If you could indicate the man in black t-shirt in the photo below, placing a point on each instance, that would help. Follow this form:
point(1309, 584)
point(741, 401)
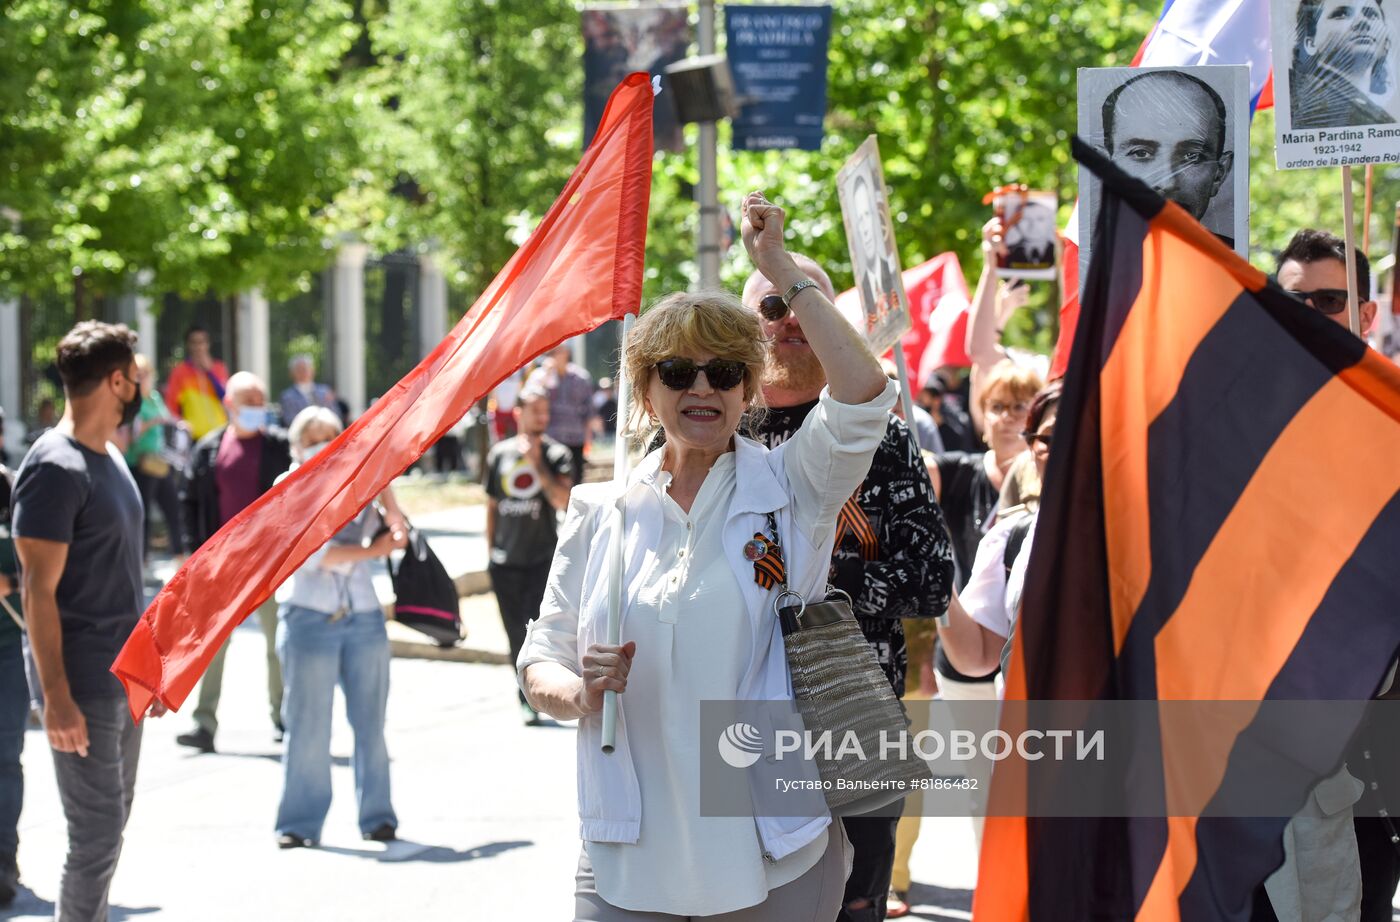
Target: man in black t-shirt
point(78, 531)
point(892, 554)
point(528, 478)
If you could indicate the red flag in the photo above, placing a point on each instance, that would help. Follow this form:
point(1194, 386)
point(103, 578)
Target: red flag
point(1069, 308)
point(582, 266)
point(943, 301)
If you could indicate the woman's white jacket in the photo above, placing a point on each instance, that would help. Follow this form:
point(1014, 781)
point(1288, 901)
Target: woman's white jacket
point(803, 482)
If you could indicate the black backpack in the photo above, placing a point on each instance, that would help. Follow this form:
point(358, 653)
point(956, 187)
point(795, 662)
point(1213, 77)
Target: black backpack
point(425, 598)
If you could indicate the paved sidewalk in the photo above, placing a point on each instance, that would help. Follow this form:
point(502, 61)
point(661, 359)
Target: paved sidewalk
point(486, 807)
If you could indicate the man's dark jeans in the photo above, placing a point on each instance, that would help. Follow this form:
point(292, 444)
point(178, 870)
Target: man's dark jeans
point(519, 592)
point(96, 792)
point(14, 715)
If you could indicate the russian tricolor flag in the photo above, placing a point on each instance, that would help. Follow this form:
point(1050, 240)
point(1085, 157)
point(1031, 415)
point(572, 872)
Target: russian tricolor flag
point(1188, 33)
point(1192, 32)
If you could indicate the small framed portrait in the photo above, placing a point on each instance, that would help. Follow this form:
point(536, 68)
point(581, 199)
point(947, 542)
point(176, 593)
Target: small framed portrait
point(874, 258)
point(1184, 131)
point(1029, 232)
point(1335, 93)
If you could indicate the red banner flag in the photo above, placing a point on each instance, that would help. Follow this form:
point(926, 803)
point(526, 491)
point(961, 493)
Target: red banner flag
point(581, 267)
point(939, 301)
point(1069, 306)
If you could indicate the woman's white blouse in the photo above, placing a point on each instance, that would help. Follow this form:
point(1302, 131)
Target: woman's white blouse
point(689, 604)
point(702, 632)
point(992, 596)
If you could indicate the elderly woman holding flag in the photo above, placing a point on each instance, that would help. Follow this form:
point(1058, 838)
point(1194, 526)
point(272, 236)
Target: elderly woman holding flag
point(697, 613)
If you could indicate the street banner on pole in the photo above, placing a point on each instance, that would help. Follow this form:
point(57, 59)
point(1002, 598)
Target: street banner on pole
point(1335, 83)
point(619, 40)
point(777, 55)
point(883, 315)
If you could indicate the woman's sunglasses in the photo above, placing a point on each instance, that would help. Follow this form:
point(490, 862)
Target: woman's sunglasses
point(680, 374)
point(1033, 437)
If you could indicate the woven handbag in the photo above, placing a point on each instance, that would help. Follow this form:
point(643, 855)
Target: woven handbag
point(840, 689)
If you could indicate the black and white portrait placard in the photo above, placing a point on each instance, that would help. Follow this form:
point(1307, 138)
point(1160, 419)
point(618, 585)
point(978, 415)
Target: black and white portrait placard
point(1335, 94)
point(1029, 232)
point(874, 259)
point(1182, 130)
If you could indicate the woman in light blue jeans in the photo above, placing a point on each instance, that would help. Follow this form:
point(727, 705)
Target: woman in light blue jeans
point(331, 630)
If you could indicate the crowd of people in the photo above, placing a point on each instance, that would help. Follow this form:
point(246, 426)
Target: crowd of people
point(777, 463)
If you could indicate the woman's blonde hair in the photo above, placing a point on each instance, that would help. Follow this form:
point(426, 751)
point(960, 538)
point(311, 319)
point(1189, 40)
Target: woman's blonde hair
point(690, 323)
point(1020, 382)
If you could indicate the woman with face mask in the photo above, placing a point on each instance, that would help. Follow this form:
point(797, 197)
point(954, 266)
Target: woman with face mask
point(331, 631)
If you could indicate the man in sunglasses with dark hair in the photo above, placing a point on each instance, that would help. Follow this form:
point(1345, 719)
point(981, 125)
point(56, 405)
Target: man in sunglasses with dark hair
point(892, 553)
point(1314, 267)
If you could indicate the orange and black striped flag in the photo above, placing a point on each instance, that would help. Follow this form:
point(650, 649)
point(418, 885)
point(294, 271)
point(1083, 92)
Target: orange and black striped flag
point(1219, 523)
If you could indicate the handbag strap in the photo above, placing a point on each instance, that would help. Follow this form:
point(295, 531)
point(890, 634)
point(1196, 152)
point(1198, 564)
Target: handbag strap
point(789, 616)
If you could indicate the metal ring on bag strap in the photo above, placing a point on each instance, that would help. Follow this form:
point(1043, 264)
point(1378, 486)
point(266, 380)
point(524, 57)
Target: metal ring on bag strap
point(801, 602)
point(832, 590)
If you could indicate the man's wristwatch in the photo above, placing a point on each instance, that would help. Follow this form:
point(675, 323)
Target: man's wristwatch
point(792, 292)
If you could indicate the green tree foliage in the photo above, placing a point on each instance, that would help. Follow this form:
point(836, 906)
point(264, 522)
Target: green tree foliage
point(479, 127)
point(229, 143)
point(200, 139)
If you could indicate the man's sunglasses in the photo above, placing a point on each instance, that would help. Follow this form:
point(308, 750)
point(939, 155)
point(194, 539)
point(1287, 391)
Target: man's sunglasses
point(680, 374)
point(773, 307)
point(1324, 300)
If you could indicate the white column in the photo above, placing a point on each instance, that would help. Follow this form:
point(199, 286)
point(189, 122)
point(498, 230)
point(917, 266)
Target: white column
point(432, 305)
point(145, 320)
point(254, 343)
point(11, 382)
point(348, 325)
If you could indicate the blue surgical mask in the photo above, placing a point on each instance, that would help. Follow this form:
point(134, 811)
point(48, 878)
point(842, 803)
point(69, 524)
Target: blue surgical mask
point(311, 451)
point(251, 419)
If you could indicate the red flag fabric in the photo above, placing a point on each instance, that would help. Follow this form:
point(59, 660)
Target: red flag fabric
point(1069, 307)
point(581, 267)
point(938, 304)
point(939, 300)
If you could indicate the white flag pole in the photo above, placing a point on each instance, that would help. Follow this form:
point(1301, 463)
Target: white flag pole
point(621, 468)
point(1348, 223)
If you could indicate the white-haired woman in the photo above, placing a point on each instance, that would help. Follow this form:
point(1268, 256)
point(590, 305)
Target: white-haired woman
point(330, 631)
point(697, 620)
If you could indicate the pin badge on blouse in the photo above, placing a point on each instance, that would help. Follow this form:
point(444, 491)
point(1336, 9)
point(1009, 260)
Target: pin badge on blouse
point(755, 549)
